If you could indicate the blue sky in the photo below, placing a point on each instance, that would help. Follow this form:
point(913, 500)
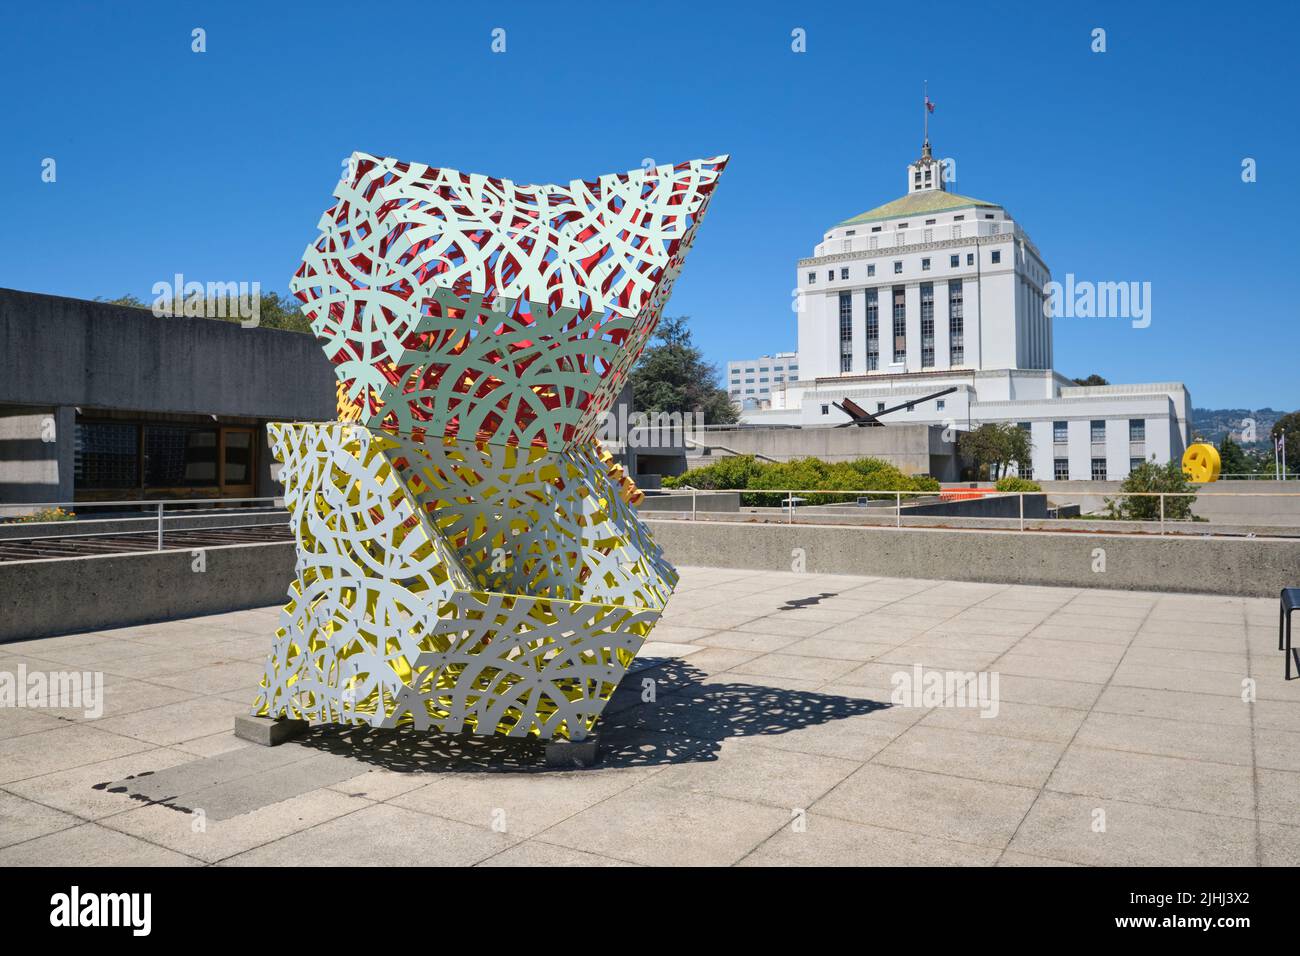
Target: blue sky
point(1124, 165)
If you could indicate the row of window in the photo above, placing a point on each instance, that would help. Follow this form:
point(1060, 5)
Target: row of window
point(956, 327)
point(764, 370)
point(1137, 431)
point(1061, 468)
point(954, 262)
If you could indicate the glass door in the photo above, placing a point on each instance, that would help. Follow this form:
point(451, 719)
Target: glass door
point(238, 462)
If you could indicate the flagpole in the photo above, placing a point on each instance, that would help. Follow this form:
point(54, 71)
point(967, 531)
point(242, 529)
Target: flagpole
point(925, 109)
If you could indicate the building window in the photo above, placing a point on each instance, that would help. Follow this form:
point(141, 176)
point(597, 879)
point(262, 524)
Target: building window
point(880, 406)
point(956, 324)
point(812, 278)
point(927, 324)
point(970, 258)
point(830, 275)
point(106, 455)
point(871, 269)
point(1061, 433)
point(958, 218)
point(996, 256)
point(900, 324)
point(850, 232)
point(954, 262)
point(875, 228)
point(1097, 430)
point(873, 330)
point(898, 267)
point(929, 222)
point(1099, 469)
point(844, 273)
point(928, 235)
point(925, 265)
point(1134, 464)
point(939, 405)
point(826, 409)
point(1137, 429)
point(1061, 469)
point(846, 331)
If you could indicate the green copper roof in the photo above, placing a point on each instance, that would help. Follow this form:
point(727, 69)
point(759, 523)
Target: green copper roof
point(916, 204)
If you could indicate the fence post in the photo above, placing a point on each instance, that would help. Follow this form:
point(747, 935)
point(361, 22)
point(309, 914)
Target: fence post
point(1022, 511)
point(898, 509)
point(160, 526)
point(693, 504)
point(1162, 512)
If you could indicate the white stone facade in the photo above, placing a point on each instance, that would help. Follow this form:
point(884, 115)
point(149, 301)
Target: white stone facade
point(936, 290)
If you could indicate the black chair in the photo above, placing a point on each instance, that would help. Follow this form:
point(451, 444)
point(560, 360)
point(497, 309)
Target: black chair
point(1290, 601)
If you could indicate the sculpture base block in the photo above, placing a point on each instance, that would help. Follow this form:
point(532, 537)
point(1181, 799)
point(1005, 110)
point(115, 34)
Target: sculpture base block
point(268, 732)
point(573, 753)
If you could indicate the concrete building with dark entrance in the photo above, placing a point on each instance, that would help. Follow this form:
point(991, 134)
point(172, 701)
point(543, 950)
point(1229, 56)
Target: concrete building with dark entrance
point(102, 402)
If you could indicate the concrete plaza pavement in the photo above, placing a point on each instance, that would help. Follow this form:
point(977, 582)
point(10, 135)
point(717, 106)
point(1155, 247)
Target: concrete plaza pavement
point(1131, 728)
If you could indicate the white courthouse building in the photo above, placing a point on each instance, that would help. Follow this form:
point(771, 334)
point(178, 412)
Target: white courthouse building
point(936, 290)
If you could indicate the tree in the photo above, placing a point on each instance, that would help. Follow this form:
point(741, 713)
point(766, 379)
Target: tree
point(672, 376)
point(1093, 379)
point(1289, 425)
point(1232, 460)
point(276, 310)
point(1150, 477)
point(994, 446)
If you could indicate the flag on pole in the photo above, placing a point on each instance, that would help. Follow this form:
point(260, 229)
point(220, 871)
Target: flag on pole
point(929, 104)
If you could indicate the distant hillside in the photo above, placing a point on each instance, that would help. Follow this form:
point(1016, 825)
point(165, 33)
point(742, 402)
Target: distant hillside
point(1212, 424)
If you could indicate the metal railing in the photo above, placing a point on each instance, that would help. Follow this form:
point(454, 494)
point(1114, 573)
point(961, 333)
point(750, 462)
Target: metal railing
point(1258, 476)
point(793, 500)
point(151, 513)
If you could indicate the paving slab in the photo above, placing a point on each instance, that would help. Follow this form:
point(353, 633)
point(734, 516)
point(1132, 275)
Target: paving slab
point(757, 729)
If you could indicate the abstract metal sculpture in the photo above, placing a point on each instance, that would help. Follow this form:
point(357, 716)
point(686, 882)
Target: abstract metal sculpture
point(469, 558)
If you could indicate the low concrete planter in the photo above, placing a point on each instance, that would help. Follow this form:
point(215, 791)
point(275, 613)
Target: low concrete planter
point(1249, 568)
point(68, 595)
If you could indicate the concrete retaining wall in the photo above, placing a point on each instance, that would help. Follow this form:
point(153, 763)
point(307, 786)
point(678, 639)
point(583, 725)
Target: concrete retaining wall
point(1255, 568)
point(710, 501)
point(914, 449)
point(69, 595)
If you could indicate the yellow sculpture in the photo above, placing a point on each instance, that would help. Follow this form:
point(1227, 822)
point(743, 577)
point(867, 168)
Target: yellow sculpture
point(1201, 462)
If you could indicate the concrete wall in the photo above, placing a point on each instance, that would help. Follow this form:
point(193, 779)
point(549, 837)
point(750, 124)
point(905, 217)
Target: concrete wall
point(999, 506)
point(704, 501)
point(69, 595)
point(1253, 567)
point(914, 449)
point(70, 352)
point(35, 465)
point(1221, 502)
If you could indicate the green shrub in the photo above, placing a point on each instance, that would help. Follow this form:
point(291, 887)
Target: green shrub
point(734, 472)
point(1012, 483)
point(1151, 477)
point(802, 475)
